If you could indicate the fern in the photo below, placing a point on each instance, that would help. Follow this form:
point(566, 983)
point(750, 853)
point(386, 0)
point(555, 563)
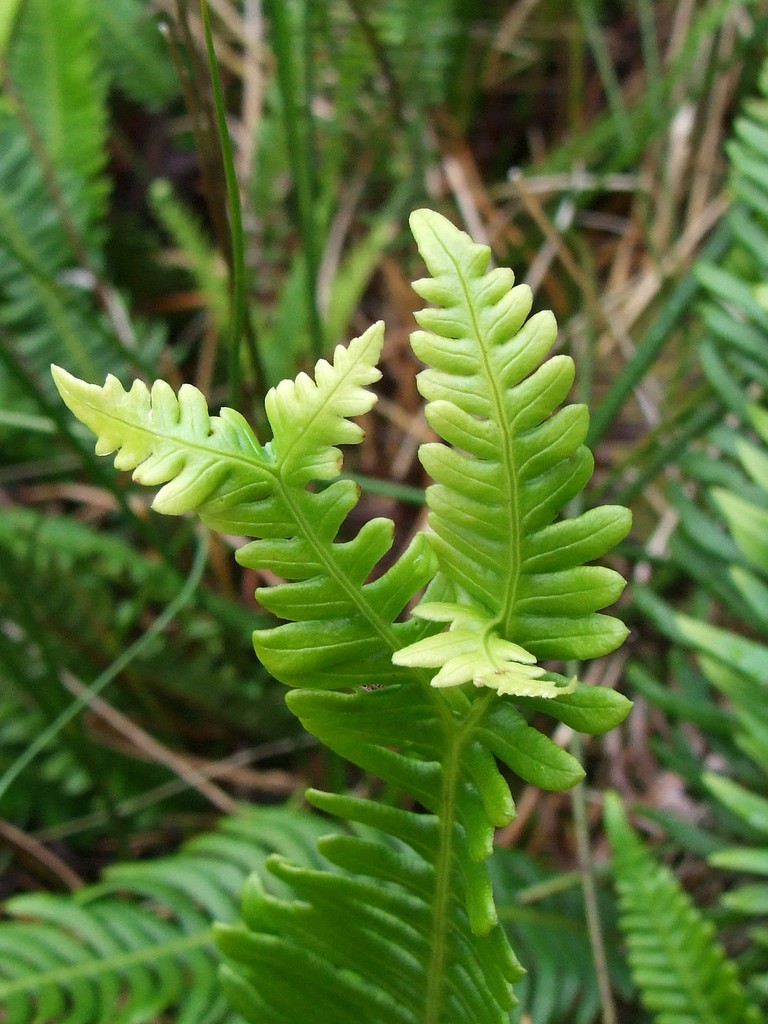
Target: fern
point(60, 624)
point(683, 974)
point(55, 72)
point(517, 574)
point(533, 902)
point(404, 927)
point(735, 311)
point(720, 542)
point(53, 195)
point(733, 664)
point(139, 944)
point(133, 49)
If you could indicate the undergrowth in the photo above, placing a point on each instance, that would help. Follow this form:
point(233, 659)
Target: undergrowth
point(589, 147)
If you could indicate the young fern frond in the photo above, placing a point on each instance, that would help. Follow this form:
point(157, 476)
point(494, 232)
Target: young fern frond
point(404, 928)
point(341, 633)
point(683, 974)
point(523, 592)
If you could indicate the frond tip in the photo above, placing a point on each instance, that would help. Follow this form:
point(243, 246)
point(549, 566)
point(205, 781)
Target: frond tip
point(512, 458)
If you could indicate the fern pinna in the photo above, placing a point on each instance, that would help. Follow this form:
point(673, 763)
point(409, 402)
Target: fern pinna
point(401, 927)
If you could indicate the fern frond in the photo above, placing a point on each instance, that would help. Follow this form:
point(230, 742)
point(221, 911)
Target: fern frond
point(173, 441)
point(85, 597)
point(139, 944)
point(682, 973)
point(416, 880)
point(561, 985)
point(52, 160)
point(524, 593)
point(134, 52)
point(55, 70)
point(215, 466)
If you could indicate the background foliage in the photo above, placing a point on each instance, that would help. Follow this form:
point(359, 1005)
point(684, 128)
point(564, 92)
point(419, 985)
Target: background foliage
point(615, 156)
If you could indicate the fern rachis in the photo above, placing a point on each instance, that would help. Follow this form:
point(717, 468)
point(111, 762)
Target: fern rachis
point(507, 579)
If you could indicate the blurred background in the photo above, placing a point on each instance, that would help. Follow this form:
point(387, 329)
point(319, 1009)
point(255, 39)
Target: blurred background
point(615, 155)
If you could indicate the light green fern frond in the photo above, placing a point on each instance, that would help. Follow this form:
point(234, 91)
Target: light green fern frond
point(343, 631)
point(523, 592)
point(200, 458)
point(404, 926)
point(681, 971)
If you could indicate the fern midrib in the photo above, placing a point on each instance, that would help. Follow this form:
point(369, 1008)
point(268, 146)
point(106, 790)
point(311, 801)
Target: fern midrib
point(509, 468)
point(107, 965)
point(455, 739)
point(325, 555)
point(433, 999)
point(436, 968)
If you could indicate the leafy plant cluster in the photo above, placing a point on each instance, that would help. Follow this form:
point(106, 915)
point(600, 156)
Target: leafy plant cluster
point(110, 261)
point(497, 566)
point(719, 549)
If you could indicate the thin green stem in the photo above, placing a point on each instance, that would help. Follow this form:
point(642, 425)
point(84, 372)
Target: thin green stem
point(298, 122)
point(236, 235)
point(442, 892)
point(458, 734)
point(610, 80)
point(386, 488)
point(193, 79)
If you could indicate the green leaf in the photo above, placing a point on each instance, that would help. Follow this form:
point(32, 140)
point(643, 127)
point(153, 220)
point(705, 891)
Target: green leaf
point(748, 524)
point(590, 709)
point(740, 801)
point(55, 71)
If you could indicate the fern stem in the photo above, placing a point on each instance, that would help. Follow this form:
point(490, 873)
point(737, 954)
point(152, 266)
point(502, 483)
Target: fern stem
point(305, 529)
point(445, 855)
point(442, 897)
